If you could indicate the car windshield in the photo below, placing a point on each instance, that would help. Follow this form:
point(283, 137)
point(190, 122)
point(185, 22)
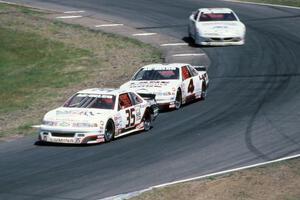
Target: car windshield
point(91, 101)
point(206, 17)
point(157, 74)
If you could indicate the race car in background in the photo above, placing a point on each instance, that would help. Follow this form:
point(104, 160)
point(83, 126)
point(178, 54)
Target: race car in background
point(216, 26)
point(98, 115)
point(172, 84)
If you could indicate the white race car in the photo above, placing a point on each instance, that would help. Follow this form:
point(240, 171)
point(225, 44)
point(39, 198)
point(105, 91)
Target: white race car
point(98, 115)
point(173, 84)
point(216, 26)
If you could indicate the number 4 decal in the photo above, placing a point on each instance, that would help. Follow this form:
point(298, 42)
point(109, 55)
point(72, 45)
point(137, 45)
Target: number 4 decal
point(191, 86)
point(130, 117)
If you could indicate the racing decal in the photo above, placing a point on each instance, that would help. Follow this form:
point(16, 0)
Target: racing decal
point(160, 68)
point(138, 114)
point(191, 87)
point(77, 140)
point(76, 112)
point(130, 114)
point(118, 121)
point(147, 84)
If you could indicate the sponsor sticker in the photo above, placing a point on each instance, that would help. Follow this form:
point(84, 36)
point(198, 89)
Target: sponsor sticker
point(63, 140)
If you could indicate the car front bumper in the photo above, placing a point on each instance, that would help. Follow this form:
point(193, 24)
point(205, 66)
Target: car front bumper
point(70, 137)
point(219, 41)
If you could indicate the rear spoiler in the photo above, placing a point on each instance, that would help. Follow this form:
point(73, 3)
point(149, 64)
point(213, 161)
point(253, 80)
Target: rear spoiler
point(147, 96)
point(200, 68)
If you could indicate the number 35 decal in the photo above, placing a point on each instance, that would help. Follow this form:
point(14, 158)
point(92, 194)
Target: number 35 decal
point(130, 117)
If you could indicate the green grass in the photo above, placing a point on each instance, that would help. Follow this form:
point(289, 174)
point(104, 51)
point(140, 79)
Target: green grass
point(43, 61)
point(280, 2)
point(28, 63)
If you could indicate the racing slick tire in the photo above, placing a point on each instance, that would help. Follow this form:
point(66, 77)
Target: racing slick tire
point(178, 99)
point(203, 92)
point(147, 120)
point(109, 133)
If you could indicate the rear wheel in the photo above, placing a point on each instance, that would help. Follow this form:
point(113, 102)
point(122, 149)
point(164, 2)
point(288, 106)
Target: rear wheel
point(203, 92)
point(178, 99)
point(147, 120)
point(109, 133)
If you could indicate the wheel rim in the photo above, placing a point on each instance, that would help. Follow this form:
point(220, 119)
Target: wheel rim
point(109, 131)
point(147, 122)
point(178, 100)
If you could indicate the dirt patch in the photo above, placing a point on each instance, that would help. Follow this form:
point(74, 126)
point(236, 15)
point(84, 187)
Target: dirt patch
point(279, 181)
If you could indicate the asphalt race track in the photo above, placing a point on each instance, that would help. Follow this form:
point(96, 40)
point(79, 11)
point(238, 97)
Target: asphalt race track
point(251, 114)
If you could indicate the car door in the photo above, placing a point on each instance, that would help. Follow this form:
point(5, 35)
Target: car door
point(139, 106)
point(197, 81)
point(188, 86)
point(127, 112)
point(192, 23)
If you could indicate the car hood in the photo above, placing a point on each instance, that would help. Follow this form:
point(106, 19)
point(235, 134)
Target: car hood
point(78, 114)
point(221, 27)
point(152, 87)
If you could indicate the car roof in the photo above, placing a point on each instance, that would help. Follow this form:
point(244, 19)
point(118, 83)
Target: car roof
point(215, 10)
point(158, 66)
point(99, 91)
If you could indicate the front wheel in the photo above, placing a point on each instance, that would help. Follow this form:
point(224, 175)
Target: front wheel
point(178, 99)
point(109, 133)
point(147, 120)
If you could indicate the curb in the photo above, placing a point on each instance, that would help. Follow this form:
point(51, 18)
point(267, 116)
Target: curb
point(136, 193)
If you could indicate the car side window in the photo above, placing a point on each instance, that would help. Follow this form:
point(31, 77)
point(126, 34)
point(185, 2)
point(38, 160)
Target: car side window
point(193, 71)
point(196, 15)
point(135, 99)
point(124, 101)
point(185, 73)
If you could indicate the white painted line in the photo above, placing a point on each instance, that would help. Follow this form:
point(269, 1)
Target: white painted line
point(9, 3)
point(143, 34)
point(227, 171)
point(108, 25)
point(133, 194)
point(68, 17)
point(35, 126)
point(263, 4)
point(174, 44)
point(74, 11)
point(188, 54)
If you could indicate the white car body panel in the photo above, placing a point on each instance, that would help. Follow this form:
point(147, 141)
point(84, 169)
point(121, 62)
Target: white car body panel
point(230, 32)
point(165, 90)
point(87, 125)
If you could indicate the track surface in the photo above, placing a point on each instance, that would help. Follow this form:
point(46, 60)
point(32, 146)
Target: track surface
point(252, 113)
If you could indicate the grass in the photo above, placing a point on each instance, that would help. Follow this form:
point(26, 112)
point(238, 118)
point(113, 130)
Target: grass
point(29, 62)
point(280, 2)
point(280, 181)
point(43, 62)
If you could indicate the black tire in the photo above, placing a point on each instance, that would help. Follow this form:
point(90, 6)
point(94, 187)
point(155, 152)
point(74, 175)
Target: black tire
point(178, 99)
point(109, 133)
point(147, 119)
point(203, 92)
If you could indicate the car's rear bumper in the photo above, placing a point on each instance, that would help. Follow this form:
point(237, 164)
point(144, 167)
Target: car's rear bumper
point(70, 137)
point(166, 105)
